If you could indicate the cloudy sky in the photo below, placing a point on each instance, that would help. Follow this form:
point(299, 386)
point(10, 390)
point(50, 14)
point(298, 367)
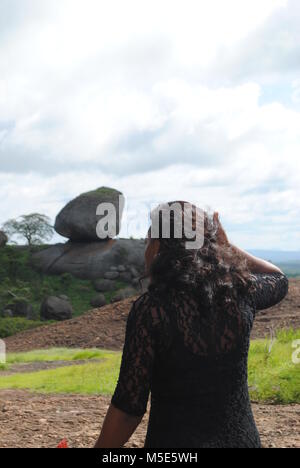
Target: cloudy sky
point(163, 100)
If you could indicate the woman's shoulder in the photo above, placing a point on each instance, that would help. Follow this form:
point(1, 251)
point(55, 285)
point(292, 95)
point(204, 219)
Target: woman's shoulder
point(147, 306)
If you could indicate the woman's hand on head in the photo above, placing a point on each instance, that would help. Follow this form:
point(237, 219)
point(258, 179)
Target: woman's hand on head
point(221, 235)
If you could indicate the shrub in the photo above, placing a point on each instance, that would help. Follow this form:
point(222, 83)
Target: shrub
point(10, 326)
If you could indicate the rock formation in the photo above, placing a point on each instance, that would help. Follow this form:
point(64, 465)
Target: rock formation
point(78, 219)
point(111, 264)
point(91, 260)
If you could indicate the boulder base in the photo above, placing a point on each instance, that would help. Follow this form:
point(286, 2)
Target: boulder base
point(90, 260)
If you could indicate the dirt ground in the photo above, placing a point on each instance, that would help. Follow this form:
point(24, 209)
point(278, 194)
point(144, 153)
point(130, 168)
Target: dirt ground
point(105, 327)
point(34, 420)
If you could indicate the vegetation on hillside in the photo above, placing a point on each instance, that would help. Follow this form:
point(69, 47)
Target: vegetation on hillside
point(291, 269)
point(19, 281)
point(11, 326)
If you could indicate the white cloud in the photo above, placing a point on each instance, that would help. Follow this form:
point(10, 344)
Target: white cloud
point(162, 100)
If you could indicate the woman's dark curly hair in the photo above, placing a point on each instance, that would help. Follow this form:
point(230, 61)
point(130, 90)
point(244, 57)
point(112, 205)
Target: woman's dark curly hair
point(214, 272)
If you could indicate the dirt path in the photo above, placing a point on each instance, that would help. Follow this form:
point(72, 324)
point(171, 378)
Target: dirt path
point(34, 420)
point(43, 365)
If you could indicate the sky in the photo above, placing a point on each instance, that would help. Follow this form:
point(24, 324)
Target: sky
point(189, 100)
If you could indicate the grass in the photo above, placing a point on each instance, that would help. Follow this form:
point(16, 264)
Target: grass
point(273, 377)
point(11, 326)
point(57, 354)
point(88, 379)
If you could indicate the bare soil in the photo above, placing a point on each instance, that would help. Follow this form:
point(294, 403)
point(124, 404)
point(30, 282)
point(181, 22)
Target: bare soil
point(34, 420)
point(105, 327)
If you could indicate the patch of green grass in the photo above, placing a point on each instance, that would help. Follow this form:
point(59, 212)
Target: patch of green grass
point(89, 379)
point(273, 377)
point(105, 191)
point(11, 326)
point(57, 354)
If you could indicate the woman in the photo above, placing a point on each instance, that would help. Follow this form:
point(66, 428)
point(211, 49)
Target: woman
point(187, 341)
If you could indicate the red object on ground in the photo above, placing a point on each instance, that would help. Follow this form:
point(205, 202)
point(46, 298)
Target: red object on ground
point(63, 444)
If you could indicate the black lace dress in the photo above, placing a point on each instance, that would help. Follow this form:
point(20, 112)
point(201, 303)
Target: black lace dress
point(194, 362)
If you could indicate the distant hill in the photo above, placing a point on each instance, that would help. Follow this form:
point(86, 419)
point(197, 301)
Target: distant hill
point(288, 261)
point(276, 256)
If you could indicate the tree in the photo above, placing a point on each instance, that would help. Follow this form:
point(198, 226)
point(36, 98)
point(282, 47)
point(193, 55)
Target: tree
point(35, 228)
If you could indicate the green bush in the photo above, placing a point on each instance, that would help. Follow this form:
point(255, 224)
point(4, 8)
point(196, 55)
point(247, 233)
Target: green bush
point(11, 326)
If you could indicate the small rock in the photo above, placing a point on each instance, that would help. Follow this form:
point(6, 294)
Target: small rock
point(111, 275)
point(7, 313)
point(134, 272)
point(124, 294)
point(104, 285)
point(126, 276)
point(135, 282)
point(98, 301)
point(19, 309)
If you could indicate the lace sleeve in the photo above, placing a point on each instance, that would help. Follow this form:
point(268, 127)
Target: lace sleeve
point(134, 383)
point(269, 289)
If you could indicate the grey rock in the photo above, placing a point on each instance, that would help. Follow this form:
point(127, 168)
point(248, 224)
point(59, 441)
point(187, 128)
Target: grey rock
point(134, 272)
point(78, 219)
point(111, 275)
point(121, 268)
point(135, 282)
point(89, 260)
point(98, 301)
point(124, 294)
point(54, 308)
point(126, 276)
point(3, 239)
point(104, 285)
point(7, 313)
point(20, 309)
point(114, 268)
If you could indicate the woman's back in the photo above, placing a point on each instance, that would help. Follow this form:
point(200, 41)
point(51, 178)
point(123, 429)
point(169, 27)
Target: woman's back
point(193, 359)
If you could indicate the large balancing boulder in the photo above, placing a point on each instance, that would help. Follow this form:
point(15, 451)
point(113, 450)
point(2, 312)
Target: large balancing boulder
point(80, 219)
point(55, 308)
